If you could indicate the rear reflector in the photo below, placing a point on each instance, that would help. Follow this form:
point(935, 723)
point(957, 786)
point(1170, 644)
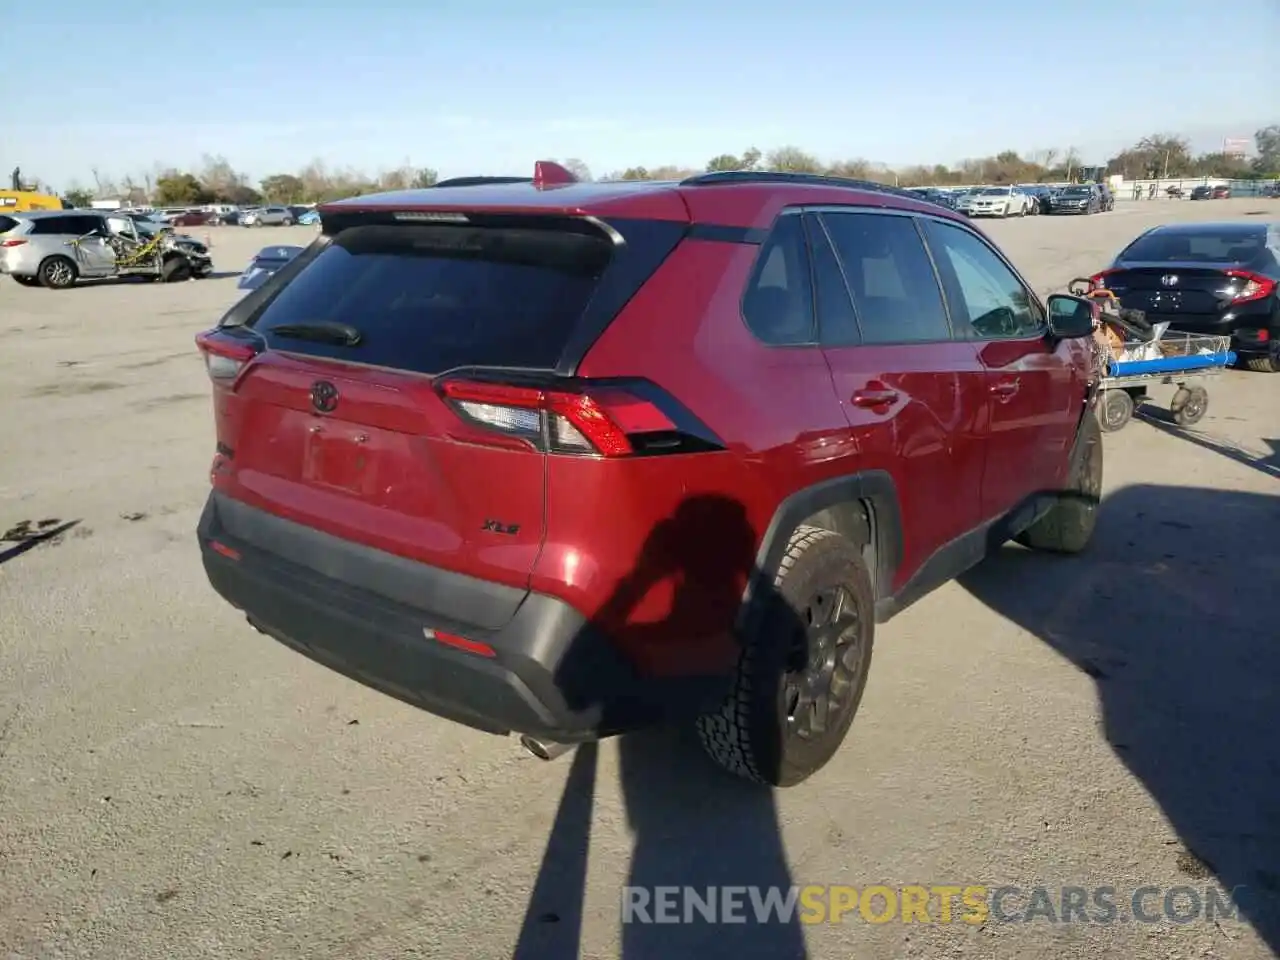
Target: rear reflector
point(12, 243)
point(459, 643)
point(223, 549)
point(595, 422)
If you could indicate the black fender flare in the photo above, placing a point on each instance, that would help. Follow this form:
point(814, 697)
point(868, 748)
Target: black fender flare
point(875, 487)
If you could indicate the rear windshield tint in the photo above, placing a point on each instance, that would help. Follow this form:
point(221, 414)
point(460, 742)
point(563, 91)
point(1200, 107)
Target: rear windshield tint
point(429, 298)
point(1232, 246)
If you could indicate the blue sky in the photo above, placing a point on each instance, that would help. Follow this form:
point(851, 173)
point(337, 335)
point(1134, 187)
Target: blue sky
point(489, 87)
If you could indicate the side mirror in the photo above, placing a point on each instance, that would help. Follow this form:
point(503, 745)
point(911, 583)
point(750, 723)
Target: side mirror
point(1071, 317)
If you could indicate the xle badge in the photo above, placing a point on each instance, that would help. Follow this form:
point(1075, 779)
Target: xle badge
point(497, 526)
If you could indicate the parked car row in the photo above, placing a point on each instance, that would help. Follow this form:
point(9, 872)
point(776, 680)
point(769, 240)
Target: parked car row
point(1021, 200)
point(1206, 192)
point(272, 215)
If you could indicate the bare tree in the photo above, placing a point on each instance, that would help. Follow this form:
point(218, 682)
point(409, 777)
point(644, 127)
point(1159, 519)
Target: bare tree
point(791, 159)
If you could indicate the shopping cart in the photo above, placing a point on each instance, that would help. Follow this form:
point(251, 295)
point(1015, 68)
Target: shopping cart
point(1171, 357)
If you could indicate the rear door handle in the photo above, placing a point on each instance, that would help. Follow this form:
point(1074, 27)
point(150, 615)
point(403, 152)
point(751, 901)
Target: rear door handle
point(1005, 389)
point(874, 398)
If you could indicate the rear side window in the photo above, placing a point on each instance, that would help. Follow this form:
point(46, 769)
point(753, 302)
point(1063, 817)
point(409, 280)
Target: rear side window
point(778, 303)
point(891, 278)
point(431, 298)
point(7, 224)
point(1235, 246)
point(65, 226)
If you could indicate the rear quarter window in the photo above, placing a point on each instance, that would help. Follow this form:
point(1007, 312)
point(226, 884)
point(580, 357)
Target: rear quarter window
point(431, 298)
point(7, 224)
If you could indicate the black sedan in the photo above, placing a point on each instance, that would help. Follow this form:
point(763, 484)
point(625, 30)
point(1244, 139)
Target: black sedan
point(1211, 278)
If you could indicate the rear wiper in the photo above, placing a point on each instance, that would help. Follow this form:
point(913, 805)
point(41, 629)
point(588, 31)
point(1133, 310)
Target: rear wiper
point(342, 334)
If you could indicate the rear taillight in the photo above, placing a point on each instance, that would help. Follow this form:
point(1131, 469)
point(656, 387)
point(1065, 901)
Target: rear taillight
point(12, 242)
point(592, 420)
point(1099, 280)
point(1256, 286)
point(223, 358)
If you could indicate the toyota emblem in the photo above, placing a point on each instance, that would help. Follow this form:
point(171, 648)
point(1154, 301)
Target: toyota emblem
point(1169, 280)
point(324, 396)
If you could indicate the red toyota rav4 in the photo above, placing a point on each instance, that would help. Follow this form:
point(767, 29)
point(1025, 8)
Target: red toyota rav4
point(564, 459)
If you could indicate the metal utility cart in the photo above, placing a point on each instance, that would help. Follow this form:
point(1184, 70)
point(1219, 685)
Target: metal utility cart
point(1183, 359)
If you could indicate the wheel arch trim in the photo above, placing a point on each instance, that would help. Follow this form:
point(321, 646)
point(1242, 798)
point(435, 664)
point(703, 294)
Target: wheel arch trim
point(874, 487)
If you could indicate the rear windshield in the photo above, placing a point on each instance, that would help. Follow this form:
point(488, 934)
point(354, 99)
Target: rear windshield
point(429, 298)
point(1233, 246)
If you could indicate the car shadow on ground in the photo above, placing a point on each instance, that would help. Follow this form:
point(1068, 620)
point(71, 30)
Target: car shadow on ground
point(693, 825)
point(1265, 463)
point(1172, 612)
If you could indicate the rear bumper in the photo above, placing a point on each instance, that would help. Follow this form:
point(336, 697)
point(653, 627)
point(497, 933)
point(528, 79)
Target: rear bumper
point(551, 673)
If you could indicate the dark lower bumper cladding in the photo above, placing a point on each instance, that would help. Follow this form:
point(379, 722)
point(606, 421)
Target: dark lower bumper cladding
point(553, 675)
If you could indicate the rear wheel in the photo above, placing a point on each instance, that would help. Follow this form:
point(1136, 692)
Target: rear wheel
point(803, 668)
point(57, 273)
point(1069, 524)
point(1268, 364)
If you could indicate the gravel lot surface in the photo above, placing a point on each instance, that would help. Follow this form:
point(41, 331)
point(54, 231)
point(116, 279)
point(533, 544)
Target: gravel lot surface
point(173, 785)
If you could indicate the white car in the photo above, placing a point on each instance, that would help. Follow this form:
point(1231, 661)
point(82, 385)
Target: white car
point(1000, 202)
point(267, 217)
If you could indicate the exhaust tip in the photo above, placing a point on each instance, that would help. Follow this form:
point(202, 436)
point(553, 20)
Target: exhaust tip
point(544, 749)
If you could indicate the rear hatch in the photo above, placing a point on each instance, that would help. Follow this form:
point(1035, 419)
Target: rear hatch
point(355, 416)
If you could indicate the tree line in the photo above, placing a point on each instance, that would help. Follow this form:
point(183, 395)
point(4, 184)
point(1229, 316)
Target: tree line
point(215, 180)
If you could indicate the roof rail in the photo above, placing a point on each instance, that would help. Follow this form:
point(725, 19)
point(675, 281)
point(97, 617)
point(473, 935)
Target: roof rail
point(726, 177)
point(478, 181)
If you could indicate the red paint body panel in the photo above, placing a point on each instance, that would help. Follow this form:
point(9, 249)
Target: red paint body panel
point(392, 468)
point(930, 439)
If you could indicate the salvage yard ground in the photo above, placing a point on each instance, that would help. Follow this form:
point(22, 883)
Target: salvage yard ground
point(173, 785)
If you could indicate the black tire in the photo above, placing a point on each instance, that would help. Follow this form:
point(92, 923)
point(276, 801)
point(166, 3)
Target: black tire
point(758, 732)
point(175, 269)
point(1068, 526)
point(1189, 406)
point(58, 273)
point(1268, 364)
point(1115, 410)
